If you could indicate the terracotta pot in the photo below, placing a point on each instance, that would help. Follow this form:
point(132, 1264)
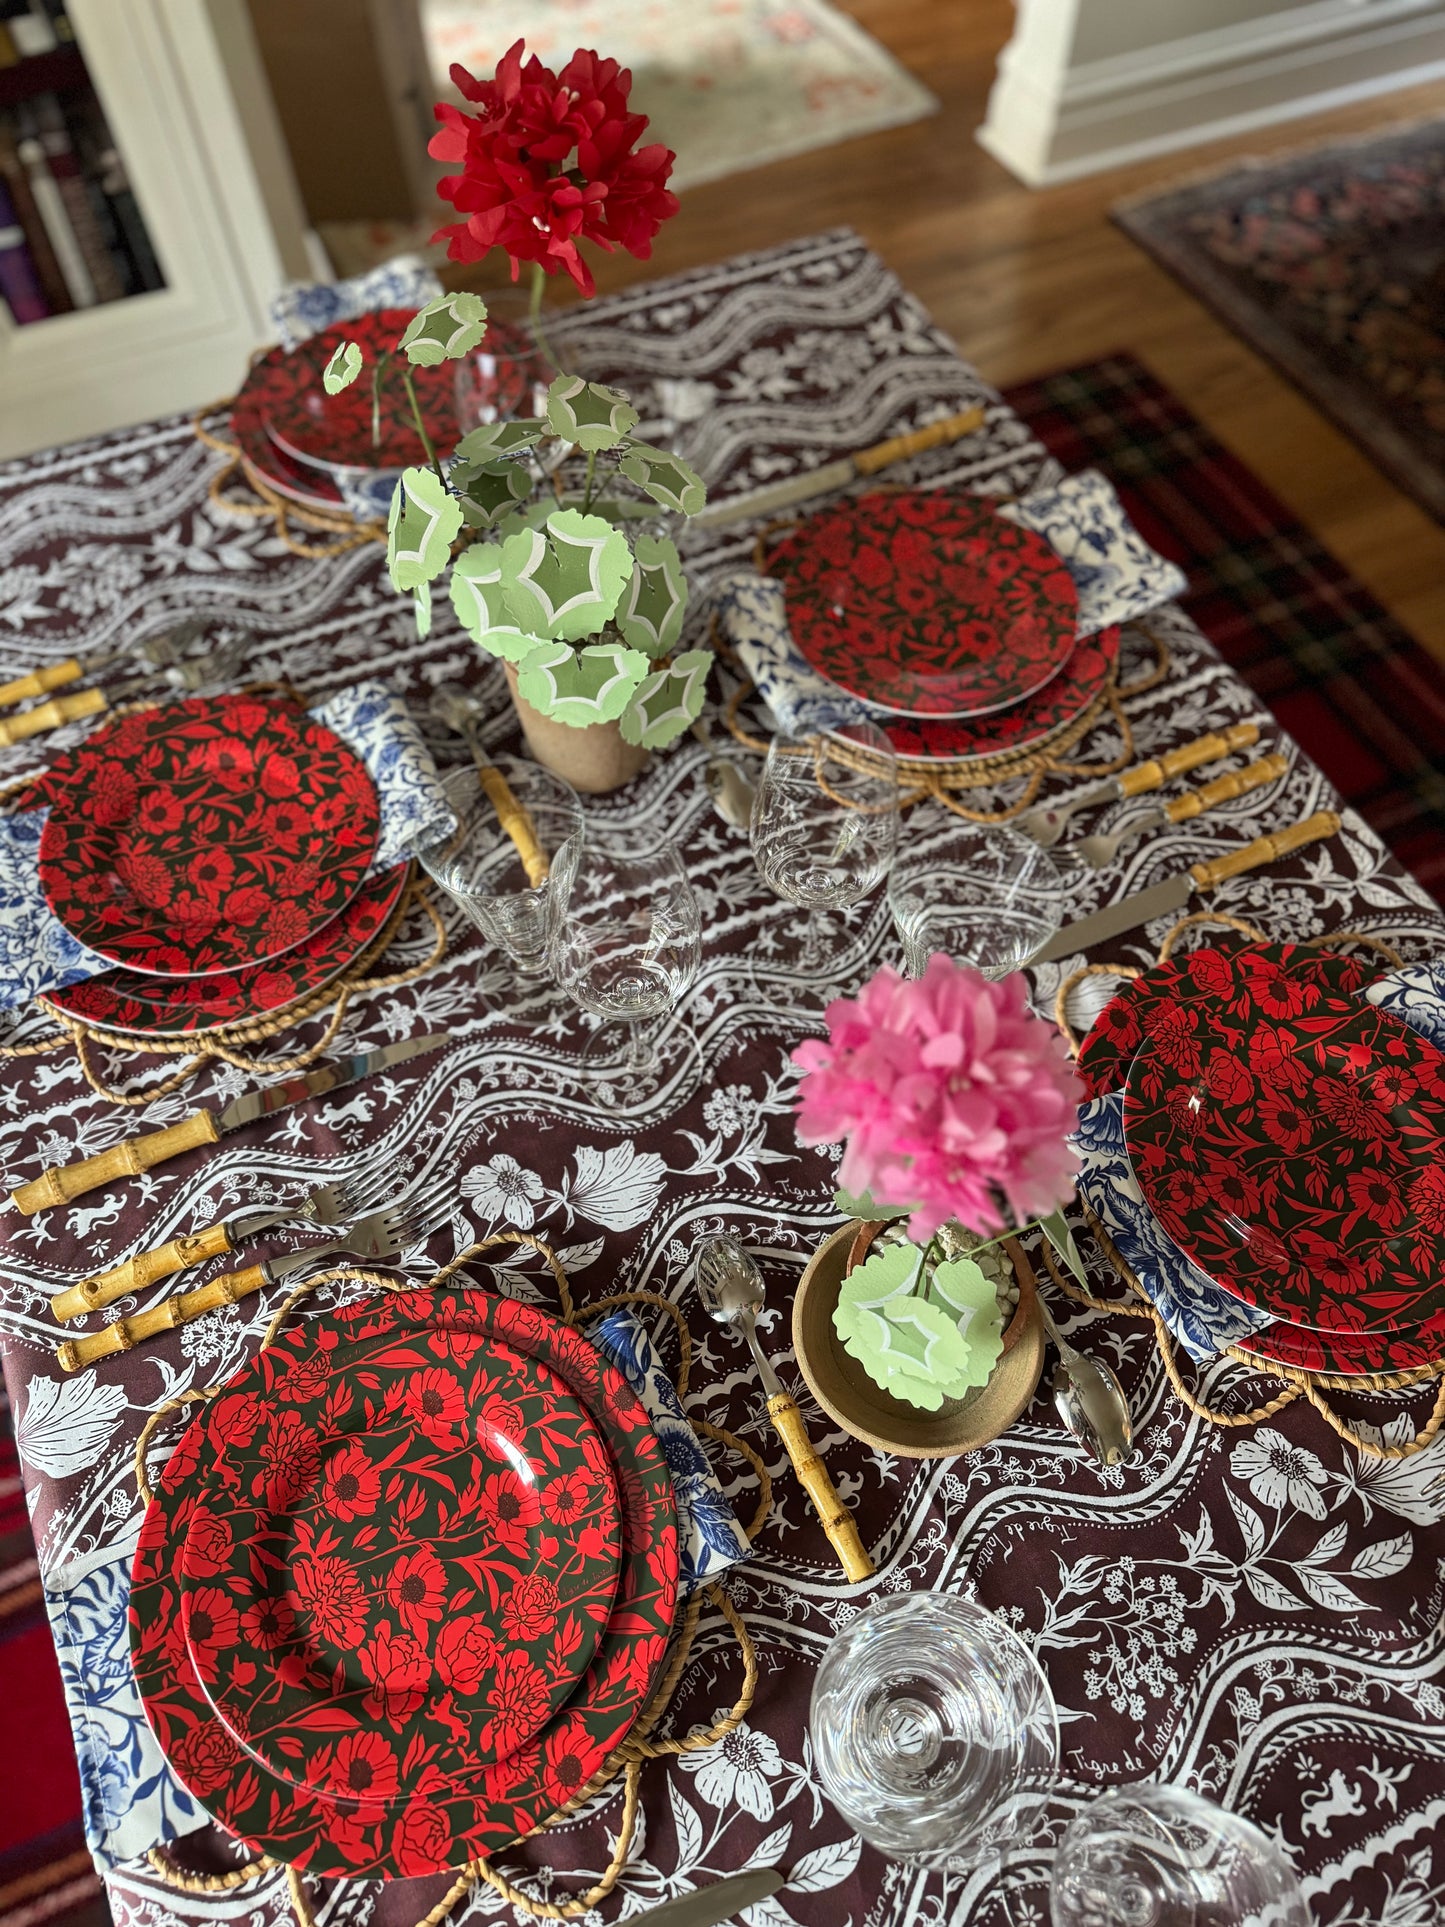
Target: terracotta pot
point(846, 1392)
point(593, 760)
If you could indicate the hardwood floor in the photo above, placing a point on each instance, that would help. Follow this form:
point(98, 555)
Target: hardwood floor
point(1031, 280)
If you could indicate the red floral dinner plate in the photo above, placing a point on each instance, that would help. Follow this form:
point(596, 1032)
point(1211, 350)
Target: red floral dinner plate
point(206, 835)
point(1298, 1155)
point(1027, 725)
point(142, 1006)
point(427, 1544)
point(362, 1831)
point(283, 392)
point(926, 604)
point(1347, 1354)
point(1284, 978)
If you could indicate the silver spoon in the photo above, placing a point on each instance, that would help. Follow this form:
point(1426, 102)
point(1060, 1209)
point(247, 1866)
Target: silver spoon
point(1090, 1400)
point(731, 1288)
point(459, 710)
point(731, 792)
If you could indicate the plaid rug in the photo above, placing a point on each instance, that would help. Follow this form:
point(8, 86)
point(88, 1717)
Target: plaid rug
point(1331, 262)
point(46, 1872)
point(1356, 691)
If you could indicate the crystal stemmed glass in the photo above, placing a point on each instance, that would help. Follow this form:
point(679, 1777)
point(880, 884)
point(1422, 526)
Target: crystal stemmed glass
point(982, 893)
point(1159, 1856)
point(825, 824)
point(481, 868)
point(627, 945)
point(934, 1730)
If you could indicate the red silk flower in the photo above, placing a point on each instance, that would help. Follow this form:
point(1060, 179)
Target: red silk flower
point(550, 160)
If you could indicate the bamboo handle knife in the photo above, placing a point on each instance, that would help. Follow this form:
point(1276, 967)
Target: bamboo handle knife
point(60, 709)
point(180, 1310)
point(1265, 849)
point(813, 1475)
point(1224, 789)
point(64, 1182)
point(1206, 749)
point(40, 682)
point(192, 1248)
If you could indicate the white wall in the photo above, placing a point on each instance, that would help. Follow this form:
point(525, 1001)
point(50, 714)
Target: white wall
point(1089, 84)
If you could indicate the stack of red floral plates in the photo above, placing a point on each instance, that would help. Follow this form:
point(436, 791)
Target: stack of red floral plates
point(217, 851)
point(956, 625)
point(1289, 1139)
point(406, 1584)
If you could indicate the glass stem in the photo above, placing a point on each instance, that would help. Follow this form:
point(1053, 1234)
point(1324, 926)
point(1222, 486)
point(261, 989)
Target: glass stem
point(810, 957)
point(640, 1057)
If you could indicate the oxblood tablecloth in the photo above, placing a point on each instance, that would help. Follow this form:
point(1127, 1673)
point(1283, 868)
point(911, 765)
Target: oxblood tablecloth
point(1256, 1612)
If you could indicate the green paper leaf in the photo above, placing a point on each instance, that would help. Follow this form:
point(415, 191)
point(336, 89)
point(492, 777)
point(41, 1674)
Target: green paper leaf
point(866, 1206)
point(488, 492)
point(668, 701)
point(444, 330)
point(419, 530)
point(342, 369)
point(565, 579)
point(655, 600)
point(495, 440)
point(421, 599)
point(1055, 1228)
point(922, 1348)
point(581, 686)
point(481, 605)
point(588, 414)
point(665, 477)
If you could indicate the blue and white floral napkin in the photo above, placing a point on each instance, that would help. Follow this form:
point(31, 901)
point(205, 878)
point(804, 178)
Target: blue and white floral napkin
point(37, 952)
point(1118, 577)
point(710, 1540)
point(304, 308)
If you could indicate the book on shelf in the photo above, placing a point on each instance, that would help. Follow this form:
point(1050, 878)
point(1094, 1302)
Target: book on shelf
point(19, 284)
point(42, 254)
point(117, 209)
point(64, 164)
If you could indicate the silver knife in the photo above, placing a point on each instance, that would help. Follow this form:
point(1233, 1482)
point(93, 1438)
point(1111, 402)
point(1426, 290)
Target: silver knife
point(137, 1154)
point(159, 651)
point(1172, 893)
point(719, 1902)
point(835, 475)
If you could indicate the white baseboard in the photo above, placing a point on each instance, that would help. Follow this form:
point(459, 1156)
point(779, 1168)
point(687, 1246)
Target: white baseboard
point(1047, 128)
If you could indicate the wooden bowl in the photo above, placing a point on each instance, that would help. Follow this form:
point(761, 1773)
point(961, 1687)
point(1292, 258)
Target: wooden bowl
point(847, 1394)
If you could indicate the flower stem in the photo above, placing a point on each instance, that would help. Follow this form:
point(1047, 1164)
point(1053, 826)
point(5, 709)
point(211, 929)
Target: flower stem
point(377, 372)
point(534, 315)
point(920, 1277)
point(426, 440)
point(591, 475)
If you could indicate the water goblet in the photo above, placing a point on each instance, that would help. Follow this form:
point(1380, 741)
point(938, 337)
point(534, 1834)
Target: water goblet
point(627, 944)
point(824, 826)
point(1160, 1856)
point(982, 893)
point(480, 867)
point(934, 1731)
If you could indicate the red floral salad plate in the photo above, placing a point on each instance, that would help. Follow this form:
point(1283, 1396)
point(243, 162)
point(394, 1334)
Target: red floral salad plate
point(206, 835)
point(283, 391)
point(430, 1544)
point(928, 605)
point(1027, 725)
point(1347, 1354)
point(1283, 978)
point(142, 1006)
point(510, 1784)
point(1298, 1156)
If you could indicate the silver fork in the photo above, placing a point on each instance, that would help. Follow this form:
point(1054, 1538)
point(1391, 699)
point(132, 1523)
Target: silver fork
point(328, 1204)
point(382, 1237)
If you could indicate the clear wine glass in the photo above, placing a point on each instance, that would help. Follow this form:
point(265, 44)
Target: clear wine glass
point(934, 1730)
point(980, 892)
point(627, 945)
point(480, 866)
point(825, 826)
point(1160, 1856)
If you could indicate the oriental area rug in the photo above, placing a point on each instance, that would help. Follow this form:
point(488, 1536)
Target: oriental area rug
point(1331, 263)
point(1353, 687)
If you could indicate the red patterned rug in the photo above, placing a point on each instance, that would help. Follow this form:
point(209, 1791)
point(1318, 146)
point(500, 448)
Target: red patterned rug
point(1332, 263)
point(1355, 689)
point(46, 1873)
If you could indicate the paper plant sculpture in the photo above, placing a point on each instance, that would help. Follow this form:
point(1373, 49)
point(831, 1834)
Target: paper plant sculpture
point(574, 589)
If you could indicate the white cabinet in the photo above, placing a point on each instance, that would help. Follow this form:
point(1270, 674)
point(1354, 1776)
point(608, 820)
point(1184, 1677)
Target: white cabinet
point(182, 88)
